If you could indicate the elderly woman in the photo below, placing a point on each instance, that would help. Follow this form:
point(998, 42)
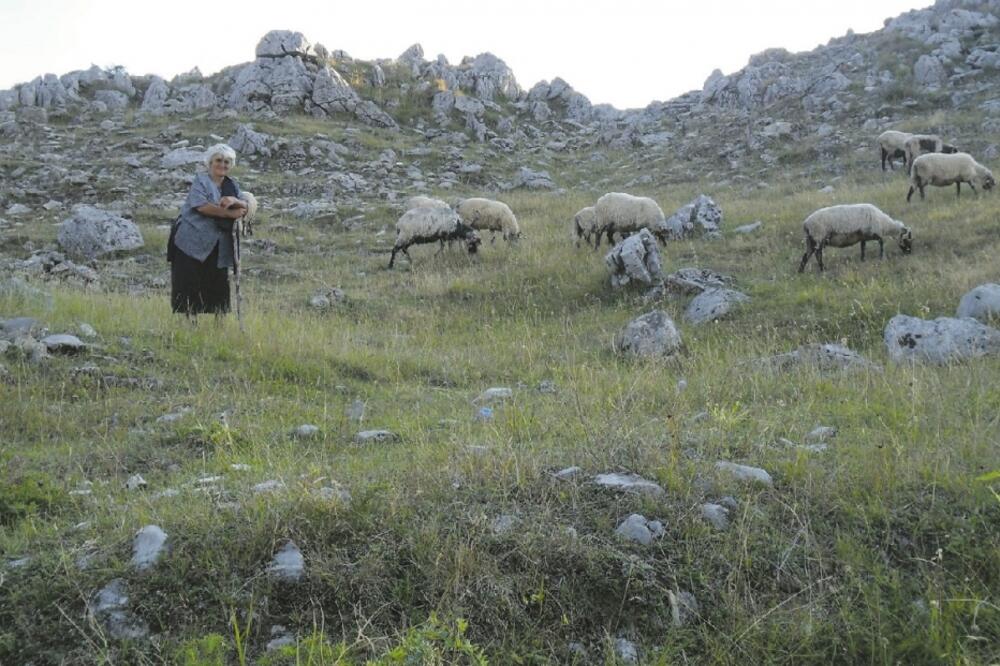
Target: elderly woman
point(200, 250)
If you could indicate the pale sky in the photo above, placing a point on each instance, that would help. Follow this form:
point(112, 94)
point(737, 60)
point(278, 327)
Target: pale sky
point(623, 52)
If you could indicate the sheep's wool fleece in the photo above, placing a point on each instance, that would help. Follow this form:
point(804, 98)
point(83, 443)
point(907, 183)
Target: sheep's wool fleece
point(429, 222)
point(847, 218)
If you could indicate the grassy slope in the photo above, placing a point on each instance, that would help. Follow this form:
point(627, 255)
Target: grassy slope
point(881, 550)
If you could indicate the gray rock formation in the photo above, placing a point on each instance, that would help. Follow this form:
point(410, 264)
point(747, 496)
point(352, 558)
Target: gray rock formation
point(713, 304)
point(109, 608)
point(247, 142)
point(653, 335)
point(940, 341)
point(148, 546)
point(982, 303)
point(702, 215)
point(629, 483)
point(92, 232)
point(823, 357)
point(688, 281)
point(637, 528)
point(635, 260)
point(744, 472)
point(288, 564)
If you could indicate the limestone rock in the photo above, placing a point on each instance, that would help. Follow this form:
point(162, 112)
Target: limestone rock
point(653, 335)
point(982, 303)
point(635, 259)
point(713, 304)
point(92, 232)
point(940, 341)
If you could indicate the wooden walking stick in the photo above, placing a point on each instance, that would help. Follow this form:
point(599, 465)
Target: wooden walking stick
point(237, 232)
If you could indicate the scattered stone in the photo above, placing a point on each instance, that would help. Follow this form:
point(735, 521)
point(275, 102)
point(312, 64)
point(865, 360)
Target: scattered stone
point(324, 300)
point(356, 411)
point(334, 494)
point(821, 434)
point(135, 482)
point(288, 564)
point(240, 467)
point(547, 386)
point(748, 228)
point(688, 281)
point(109, 607)
point(269, 486)
point(823, 357)
point(632, 483)
point(494, 394)
point(568, 474)
point(649, 336)
point(716, 515)
point(92, 232)
point(627, 651)
point(637, 528)
point(943, 340)
point(87, 331)
point(504, 524)
point(148, 547)
point(745, 472)
point(17, 209)
point(683, 607)
point(713, 304)
point(173, 417)
point(19, 327)
point(63, 344)
point(982, 303)
point(182, 157)
point(702, 215)
point(375, 437)
point(635, 259)
point(306, 431)
point(280, 637)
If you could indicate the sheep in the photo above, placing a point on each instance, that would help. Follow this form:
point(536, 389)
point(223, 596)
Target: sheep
point(584, 224)
point(428, 225)
point(892, 145)
point(618, 212)
point(486, 214)
point(942, 170)
point(421, 201)
point(848, 224)
point(921, 144)
point(250, 216)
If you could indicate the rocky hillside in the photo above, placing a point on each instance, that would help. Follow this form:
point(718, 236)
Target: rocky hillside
point(944, 57)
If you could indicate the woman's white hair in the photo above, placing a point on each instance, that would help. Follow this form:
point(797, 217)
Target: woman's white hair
point(223, 149)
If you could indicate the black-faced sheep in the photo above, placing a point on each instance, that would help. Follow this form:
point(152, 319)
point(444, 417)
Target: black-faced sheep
point(849, 224)
point(490, 215)
point(431, 224)
point(892, 145)
point(943, 170)
point(922, 144)
point(622, 213)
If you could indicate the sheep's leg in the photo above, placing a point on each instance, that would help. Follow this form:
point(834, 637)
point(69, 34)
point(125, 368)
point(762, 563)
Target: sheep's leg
point(810, 248)
point(392, 259)
point(819, 256)
point(407, 253)
point(862, 250)
point(958, 189)
point(881, 248)
point(921, 191)
point(885, 153)
point(974, 190)
point(600, 231)
point(909, 194)
point(440, 249)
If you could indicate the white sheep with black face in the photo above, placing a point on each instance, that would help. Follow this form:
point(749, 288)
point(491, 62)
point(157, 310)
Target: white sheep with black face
point(922, 144)
point(892, 145)
point(431, 224)
point(618, 212)
point(850, 224)
point(941, 170)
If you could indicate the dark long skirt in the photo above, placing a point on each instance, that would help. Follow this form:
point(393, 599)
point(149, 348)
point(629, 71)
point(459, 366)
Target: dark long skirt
point(198, 286)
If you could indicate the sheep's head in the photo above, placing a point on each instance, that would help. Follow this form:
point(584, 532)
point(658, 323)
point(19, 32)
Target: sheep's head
point(948, 148)
point(471, 236)
point(988, 181)
point(906, 240)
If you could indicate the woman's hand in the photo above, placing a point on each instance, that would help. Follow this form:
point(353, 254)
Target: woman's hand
point(229, 202)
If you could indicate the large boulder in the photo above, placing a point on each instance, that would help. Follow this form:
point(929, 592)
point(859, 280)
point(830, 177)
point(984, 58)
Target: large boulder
point(635, 259)
point(92, 232)
point(156, 96)
point(929, 72)
point(247, 142)
point(982, 303)
point(939, 341)
point(653, 335)
point(279, 43)
point(822, 357)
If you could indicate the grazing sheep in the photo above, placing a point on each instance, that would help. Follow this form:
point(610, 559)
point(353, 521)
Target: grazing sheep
point(584, 224)
point(421, 201)
point(943, 170)
point(486, 214)
point(893, 145)
point(429, 225)
point(848, 224)
point(922, 144)
point(622, 213)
